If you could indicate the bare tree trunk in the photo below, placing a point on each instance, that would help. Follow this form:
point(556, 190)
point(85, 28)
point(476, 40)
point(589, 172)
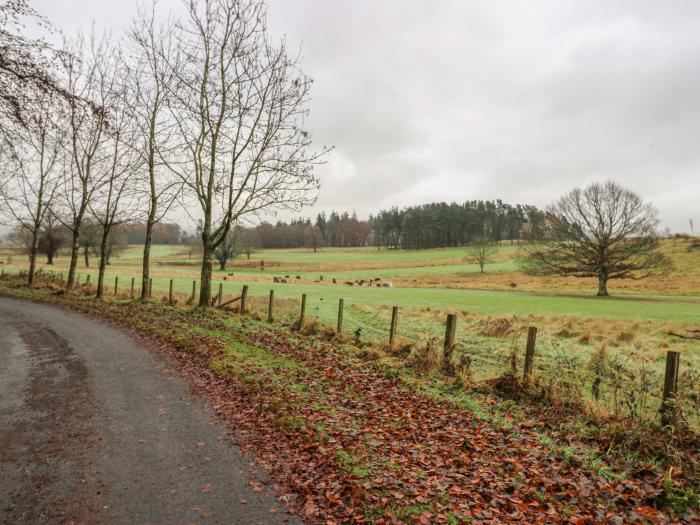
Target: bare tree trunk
point(145, 272)
point(152, 209)
point(222, 265)
point(74, 251)
point(205, 287)
point(103, 263)
point(32, 256)
point(32, 261)
point(602, 283)
point(86, 255)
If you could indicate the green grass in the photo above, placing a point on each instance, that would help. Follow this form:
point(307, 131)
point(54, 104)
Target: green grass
point(322, 299)
point(422, 310)
point(157, 250)
point(372, 273)
point(357, 255)
point(284, 372)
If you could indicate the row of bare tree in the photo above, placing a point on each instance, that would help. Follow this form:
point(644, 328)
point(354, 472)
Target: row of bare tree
point(206, 113)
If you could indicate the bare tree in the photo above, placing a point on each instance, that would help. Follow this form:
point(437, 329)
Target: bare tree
point(87, 136)
point(52, 238)
point(114, 201)
point(151, 80)
point(238, 104)
point(31, 159)
point(603, 231)
point(20, 239)
point(89, 239)
point(27, 66)
point(229, 248)
point(481, 252)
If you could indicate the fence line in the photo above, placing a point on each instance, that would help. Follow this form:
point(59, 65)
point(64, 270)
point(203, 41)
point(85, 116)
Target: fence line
point(669, 396)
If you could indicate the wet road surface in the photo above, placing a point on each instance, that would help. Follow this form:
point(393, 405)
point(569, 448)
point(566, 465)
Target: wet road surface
point(95, 428)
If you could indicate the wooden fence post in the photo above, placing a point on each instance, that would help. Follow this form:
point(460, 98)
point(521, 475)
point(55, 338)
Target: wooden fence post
point(132, 288)
point(170, 293)
point(221, 293)
point(244, 298)
point(449, 346)
point(392, 330)
point(529, 352)
point(668, 403)
point(303, 311)
point(116, 284)
point(269, 306)
point(194, 291)
point(150, 287)
point(339, 328)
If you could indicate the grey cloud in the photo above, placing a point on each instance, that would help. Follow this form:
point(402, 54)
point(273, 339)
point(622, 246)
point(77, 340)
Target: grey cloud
point(456, 100)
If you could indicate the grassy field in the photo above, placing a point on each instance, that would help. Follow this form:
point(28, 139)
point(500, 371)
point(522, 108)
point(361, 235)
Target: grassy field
point(631, 331)
point(387, 430)
point(494, 308)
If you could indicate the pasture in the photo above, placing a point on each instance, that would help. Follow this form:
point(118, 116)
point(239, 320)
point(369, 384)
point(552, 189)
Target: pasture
point(494, 308)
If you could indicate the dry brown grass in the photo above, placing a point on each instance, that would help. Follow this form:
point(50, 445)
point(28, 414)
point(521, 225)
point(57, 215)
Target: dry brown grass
point(425, 357)
point(498, 327)
point(671, 285)
point(683, 279)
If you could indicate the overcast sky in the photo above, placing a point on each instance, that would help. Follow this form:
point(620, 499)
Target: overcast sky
point(458, 100)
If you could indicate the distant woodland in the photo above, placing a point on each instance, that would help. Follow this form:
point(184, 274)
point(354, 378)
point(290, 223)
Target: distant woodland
point(434, 225)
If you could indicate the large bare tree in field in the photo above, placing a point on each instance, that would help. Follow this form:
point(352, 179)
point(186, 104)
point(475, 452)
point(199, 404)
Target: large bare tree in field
point(238, 103)
point(603, 231)
point(30, 169)
point(151, 76)
point(87, 135)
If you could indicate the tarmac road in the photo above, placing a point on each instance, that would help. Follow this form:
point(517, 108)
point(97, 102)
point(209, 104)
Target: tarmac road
point(96, 428)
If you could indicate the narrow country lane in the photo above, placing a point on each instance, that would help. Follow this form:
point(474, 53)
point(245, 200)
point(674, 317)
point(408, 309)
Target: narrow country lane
point(95, 428)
